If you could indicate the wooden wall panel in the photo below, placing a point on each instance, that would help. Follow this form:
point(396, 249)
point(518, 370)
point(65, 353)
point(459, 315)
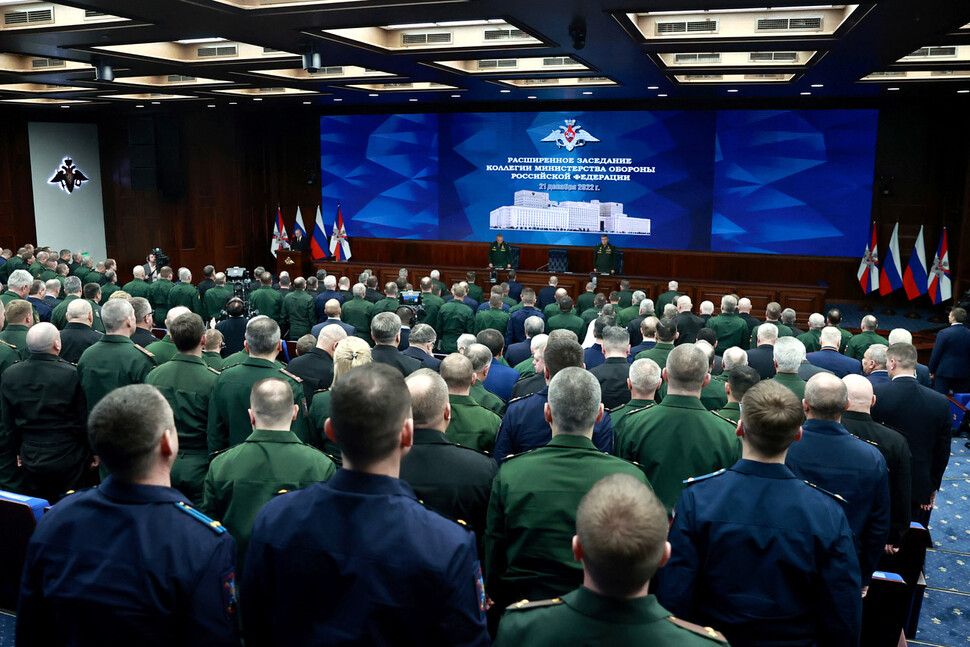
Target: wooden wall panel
point(16, 197)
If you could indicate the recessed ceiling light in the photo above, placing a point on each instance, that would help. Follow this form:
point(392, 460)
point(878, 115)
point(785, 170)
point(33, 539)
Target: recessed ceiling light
point(232, 103)
point(306, 103)
point(504, 91)
point(211, 105)
point(653, 87)
point(455, 96)
point(373, 94)
point(412, 100)
point(156, 103)
point(805, 94)
point(257, 99)
point(139, 106)
point(661, 95)
point(963, 91)
point(531, 97)
point(65, 106)
point(587, 92)
point(818, 85)
point(337, 99)
point(732, 90)
point(892, 89)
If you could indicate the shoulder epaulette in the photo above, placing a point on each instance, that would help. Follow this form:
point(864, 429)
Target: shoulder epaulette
point(708, 632)
point(147, 352)
point(284, 491)
point(525, 453)
point(733, 422)
point(298, 380)
point(652, 404)
point(521, 397)
point(695, 479)
point(6, 343)
point(477, 451)
point(320, 391)
point(871, 442)
point(213, 525)
point(214, 370)
point(525, 605)
point(835, 496)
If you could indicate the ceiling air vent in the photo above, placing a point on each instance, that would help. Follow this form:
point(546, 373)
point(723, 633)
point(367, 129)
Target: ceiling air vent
point(272, 50)
point(274, 90)
point(890, 73)
point(505, 34)
point(217, 51)
point(556, 61)
point(43, 63)
point(703, 77)
point(542, 81)
point(179, 78)
point(398, 85)
point(927, 52)
point(789, 24)
point(328, 71)
point(686, 27)
point(91, 13)
point(427, 38)
point(28, 17)
point(761, 57)
point(709, 57)
point(764, 77)
point(494, 63)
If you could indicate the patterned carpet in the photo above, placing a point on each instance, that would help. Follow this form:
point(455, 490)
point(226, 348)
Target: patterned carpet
point(852, 317)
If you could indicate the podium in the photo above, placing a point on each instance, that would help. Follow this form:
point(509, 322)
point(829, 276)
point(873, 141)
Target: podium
point(293, 262)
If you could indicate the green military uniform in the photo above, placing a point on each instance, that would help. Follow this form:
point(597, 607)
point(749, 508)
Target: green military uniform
point(454, 319)
point(626, 299)
point(585, 302)
point(387, 304)
point(567, 321)
point(36, 268)
point(532, 517)
point(319, 412)
point(214, 301)
point(59, 315)
point(97, 324)
point(551, 310)
point(604, 258)
point(107, 290)
point(16, 336)
point(846, 336)
point(492, 318)
point(112, 362)
point(475, 292)
point(8, 296)
point(47, 275)
point(213, 360)
point(516, 308)
point(812, 340)
point(229, 418)
point(626, 315)
point(299, 310)
point(164, 349)
point(793, 382)
point(185, 295)
point(658, 353)
point(158, 297)
point(244, 478)
point(267, 301)
point(137, 288)
point(620, 415)
point(525, 367)
point(858, 344)
point(731, 411)
point(583, 617)
point(472, 425)
point(731, 330)
point(11, 477)
point(677, 440)
point(670, 296)
point(357, 313)
point(186, 382)
point(590, 314)
point(441, 285)
point(783, 331)
point(486, 398)
point(500, 255)
point(431, 304)
point(713, 395)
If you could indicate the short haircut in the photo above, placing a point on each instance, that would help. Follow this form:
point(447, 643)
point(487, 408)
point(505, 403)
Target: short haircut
point(834, 316)
point(768, 332)
point(900, 336)
point(645, 375)
point(733, 357)
point(262, 335)
point(185, 274)
point(788, 354)
point(788, 316)
point(18, 310)
point(574, 398)
point(91, 290)
point(877, 353)
point(299, 283)
point(624, 284)
point(599, 300)
point(741, 379)
point(125, 427)
point(904, 354)
point(560, 354)
point(456, 370)
point(78, 309)
point(165, 272)
point(359, 290)
point(666, 331)
point(537, 346)
point(307, 342)
point(175, 313)
point(622, 527)
point(600, 324)
point(959, 315)
point(114, 314)
point(562, 333)
point(220, 278)
point(479, 355)
point(648, 327)
point(208, 271)
point(528, 295)
point(271, 400)
point(213, 340)
point(729, 303)
point(36, 287)
point(429, 397)
point(72, 285)
point(368, 407)
point(422, 333)
point(670, 310)
point(465, 340)
point(141, 306)
point(706, 308)
point(41, 338)
point(330, 282)
point(459, 290)
point(186, 331)
point(390, 288)
point(830, 336)
point(534, 325)
point(647, 307)
point(638, 296)
point(771, 414)
point(18, 279)
point(385, 327)
point(687, 365)
point(826, 396)
point(615, 338)
point(52, 286)
point(493, 340)
point(773, 310)
point(495, 301)
point(816, 321)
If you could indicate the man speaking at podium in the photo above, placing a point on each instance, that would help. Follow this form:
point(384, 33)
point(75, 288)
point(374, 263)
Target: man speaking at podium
point(499, 254)
point(604, 256)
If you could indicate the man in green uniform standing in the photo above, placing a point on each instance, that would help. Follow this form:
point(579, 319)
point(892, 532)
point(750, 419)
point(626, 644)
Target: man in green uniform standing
point(358, 312)
point(499, 254)
point(158, 293)
point(185, 294)
point(186, 382)
point(454, 319)
point(138, 286)
point(731, 329)
point(586, 299)
point(604, 256)
point(92, 294)
point(666, 335)
point(271, 459)
point(216, 298)
point(18, 287)
point(492, 318)
point(567, 319)
point(472, 425)
point(72, 291)
point(858, 344)
point(621, 541)
point(644, 380)
point(19, 320)
point(165, 349)
point(670, 296)
point(430, 302)
point(114, 361)
point(679, 439)
point(532, 510)
point(299, 310)
point(229, 423)
point(789, 354)
point(481, 358)
point(389, 303)
point(11, 476)
point(772, 316)
point(475, 292)
point(265, 299)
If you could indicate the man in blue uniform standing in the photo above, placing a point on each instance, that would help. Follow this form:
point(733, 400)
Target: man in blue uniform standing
point(359, 560)
point(130, 562)
point(758, 517)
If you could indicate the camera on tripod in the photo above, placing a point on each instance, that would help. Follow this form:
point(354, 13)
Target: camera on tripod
point(161, 258)
point(412, 300)
point(241, 286)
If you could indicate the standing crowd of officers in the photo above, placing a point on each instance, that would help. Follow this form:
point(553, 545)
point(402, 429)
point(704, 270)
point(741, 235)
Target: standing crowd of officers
point(525, 488)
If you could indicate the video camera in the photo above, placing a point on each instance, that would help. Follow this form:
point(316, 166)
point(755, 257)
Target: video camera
point(161, 258)
point(412, 300)
point(238, 277)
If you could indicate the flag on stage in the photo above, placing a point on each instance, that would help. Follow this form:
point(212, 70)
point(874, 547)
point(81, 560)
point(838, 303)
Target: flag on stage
point(298, 225)
point(939, 279)
point(915, 279)
point(339, 245)
point(319, 238)
point(891, 276)
point(869, 267)
point(280, 239)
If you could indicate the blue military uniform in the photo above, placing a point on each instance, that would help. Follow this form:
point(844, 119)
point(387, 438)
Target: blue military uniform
point(524, 427)
point(359, 561)
point(128, 564)
point(516, 328)
point(765, 558)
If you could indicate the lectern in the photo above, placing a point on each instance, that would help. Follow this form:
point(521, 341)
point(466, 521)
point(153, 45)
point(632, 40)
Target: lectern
point(292, 262)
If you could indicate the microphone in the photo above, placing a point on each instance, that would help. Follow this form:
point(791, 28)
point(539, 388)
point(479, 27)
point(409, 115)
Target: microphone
point(541, 267)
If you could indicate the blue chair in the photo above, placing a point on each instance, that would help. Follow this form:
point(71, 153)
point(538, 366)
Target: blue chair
point(618, 263)
point(514, 255)
point(558, 260)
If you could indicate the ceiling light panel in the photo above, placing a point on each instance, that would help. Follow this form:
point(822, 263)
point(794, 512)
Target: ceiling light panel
point(484, 34)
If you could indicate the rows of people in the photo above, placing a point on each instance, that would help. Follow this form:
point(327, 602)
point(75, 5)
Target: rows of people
point(432, 493)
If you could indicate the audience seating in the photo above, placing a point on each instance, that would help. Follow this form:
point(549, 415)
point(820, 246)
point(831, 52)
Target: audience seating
point(558, 260)
point(884, 610)
point(18, 518)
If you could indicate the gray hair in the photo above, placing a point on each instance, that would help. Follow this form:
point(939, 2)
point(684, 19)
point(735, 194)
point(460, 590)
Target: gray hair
point(534, 325)
point(574, 399)
point(733, 357)
point(464, 341)
point(615, 339)
point(271, 400)
point(174, 314)
point(429, 397)
point(41, 338)
point(330, 282)
point(185, 274)
point(329, 335)
point(638, 297)
point(831, 336)
point(768, 332)
point(479, 355)
point(707, 308)
point(385, 327)
point(728, 303)
point(670, 311)
point(262, 335)
point(19, 279)
point(789, 353)
point(645, 375)
point(877, 354)
point(900, 336)
point(422, 333)
point(647, 307)
point(358, 290)
point(114, 314)
point(687, 365)
point(869, 323)
point(53, 286)
point(788, 316)
point(78, 309)
point(141, 306)
point(816, 321)
point(538, 345)
point(72, 285)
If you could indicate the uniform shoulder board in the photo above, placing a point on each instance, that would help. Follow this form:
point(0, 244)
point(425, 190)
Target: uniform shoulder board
point(638, 410)
point(472, 449)
point(214, 370)
point(213, 525)
point(525, 605)
point(695, 479)
point(733, 423)
point(296, 379)
point(837, 497)
point(522, 397)
point(871, 442)
point(6, 343)
point(147, 352)
point(283, 491)
point(320, 391)
point(511, 456)
point(707, 632)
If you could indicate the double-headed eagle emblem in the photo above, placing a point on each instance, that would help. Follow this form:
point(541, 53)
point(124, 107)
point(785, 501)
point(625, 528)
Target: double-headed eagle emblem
point(68, 176)
point(570, 136)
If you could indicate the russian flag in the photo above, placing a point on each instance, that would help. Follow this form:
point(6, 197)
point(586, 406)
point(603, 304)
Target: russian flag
point(868, 274)
point(298, 225)
point(939, 280)
point(891, 275)
point(319, 238)
point(914, 279)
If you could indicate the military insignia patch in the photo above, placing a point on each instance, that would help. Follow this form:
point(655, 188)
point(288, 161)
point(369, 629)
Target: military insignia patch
point(480, 587)
point(229, 593)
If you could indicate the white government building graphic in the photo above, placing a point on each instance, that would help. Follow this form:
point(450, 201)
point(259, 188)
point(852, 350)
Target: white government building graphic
point(534, 211)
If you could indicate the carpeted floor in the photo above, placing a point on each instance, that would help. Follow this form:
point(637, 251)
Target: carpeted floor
point(8, 622)
point(852, 317)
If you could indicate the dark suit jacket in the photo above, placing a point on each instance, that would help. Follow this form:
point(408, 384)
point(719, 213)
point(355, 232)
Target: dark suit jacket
point(75, 339)
point(762, 359)
point(300, 244)
point(807, 370)
point(515, 290)
point(315, 368)
point(612, 376)
point(405, 335)
point(141, 337)
point(320, 302)
point(951, 352)
point(392, 357)
point(636, 335)
point(518, 352)
point(546, 296)
point(528, 385)
point(429, 361)
point(879, 377)
point(687, 325)
point(923, 416)
point(501, 380)
point(835, 361)
point(350, 330)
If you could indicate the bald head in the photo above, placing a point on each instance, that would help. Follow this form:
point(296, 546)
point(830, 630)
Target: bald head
point(859, 391)
point(79, 311)
point(271, 405)
point(174, 314)
point(44, 338)
point(332, 308)
point(429, 400)
point(456, 371)
point(826, 397)
point(329, 337)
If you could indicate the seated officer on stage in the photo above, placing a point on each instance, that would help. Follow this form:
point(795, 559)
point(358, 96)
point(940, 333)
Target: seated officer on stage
point(129, 562)
point(358, 560)
point(758, 554)
point(621, 532)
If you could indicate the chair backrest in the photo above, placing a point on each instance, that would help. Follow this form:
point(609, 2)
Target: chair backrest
point(558, 260)
point(884, 610)
point(514, 255)
point(618, 262)
point(18, 523)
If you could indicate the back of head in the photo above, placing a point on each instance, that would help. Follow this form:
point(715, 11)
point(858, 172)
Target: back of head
point(114, 314)
point(220, 279)
point(528, 296)
point(493, 340)
point(788, 316)
point(174, 314)
point(79, 310)
point(36, 287)
point(18, 279)
point(534, 325)
point(616, 340)
point(299, 283)
point(456, 370)
point(816, 321)
point(826, 397)
point(687, 365)
point(789, 353)
point(834, 317)
point(869, 323)
point(368, 408)
point(561, 354)
point(600, 324)
point(141, 307)
point(666, 331)
point(185, 274)
point(900, 336)
point(622, 528)
point(767, 333)
point(271, 401)
point(72, 285)
point(830, 336)
point(904, 355)
point(741, 379)
point(959, 315)
point(734, 357)
point(262, 336)
point(385, 327)
point(429, 398)
point(772, 415)
point(480, 357)
point(670, 311)
point(645, 375)
point(126, 426)
point(208, 271)
point(773, 311)
point(574, 398)
point(729, 303)
point(877, 355)
point(186, 331)
point(422, 333)
point(41, 338)
point(562, 333)
point(706, 308)
point(91, 291)
point(646, 307)
point(351, 353)
point(213, 340)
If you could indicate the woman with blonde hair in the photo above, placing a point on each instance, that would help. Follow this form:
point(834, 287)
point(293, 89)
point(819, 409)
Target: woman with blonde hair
point(349, 354)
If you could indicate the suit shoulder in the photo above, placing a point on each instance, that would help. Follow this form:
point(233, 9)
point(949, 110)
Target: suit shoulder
point(706, 632)
point(698, 479)
point(528, 605)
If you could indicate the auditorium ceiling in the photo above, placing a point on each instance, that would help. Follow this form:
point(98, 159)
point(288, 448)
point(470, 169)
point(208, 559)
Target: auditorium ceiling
point(440, 54)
